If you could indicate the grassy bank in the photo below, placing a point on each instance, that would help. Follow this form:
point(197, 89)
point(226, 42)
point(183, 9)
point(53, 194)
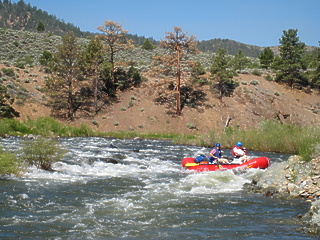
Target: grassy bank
point(269, 136)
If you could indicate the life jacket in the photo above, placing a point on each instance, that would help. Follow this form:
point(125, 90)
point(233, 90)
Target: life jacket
point(238, 148)
point(216, 152)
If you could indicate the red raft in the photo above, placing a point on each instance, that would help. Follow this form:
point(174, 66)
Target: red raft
point(260, 162)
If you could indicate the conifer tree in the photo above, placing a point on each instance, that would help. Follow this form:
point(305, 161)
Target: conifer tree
point(222, 77)
point(147, 45)
point(266, 58)
point(291, 51)
point(115, 40)
point(240, 61)
point(40, 27)
point(197, 73)
point(179, 43)
point(315, 79)
point(63, 86)
point(92, 60)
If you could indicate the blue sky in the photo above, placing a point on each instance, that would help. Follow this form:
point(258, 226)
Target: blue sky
point(256, 22)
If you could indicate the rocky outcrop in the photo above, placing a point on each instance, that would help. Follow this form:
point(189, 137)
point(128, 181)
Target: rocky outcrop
point(293, 179)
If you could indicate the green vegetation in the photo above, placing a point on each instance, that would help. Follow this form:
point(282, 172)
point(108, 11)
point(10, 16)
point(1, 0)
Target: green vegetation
point(178, 44)
point(43, 126)
point(291, 52)
point(9, 163)
point(266, 58)
point(147, 45)
point(22, 15)
point(42, 152)
point(240, 61)
point(223, 83)
point(5, 104)
point(271, 136)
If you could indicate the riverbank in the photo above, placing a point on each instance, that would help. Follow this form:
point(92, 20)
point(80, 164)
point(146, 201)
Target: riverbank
point(294, 179)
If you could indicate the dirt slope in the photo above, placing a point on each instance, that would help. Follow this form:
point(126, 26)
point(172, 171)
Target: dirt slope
point(256, 99)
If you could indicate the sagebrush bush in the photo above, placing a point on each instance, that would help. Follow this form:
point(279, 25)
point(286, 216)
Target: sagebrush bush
point(42, 152)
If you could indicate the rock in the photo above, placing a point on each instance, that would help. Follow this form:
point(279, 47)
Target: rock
point(109, 160)
point(112, 146)
point(311, 220)
point(294, 190)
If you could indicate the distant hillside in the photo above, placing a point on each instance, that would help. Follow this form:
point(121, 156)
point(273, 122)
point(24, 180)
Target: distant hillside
point(232, 46)
point(23, 16)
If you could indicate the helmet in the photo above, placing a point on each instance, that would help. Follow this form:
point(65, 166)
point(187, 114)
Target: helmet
point(218, 145)
point(239, 144)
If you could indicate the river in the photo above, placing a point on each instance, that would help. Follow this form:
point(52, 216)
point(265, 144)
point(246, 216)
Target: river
point(148, 195)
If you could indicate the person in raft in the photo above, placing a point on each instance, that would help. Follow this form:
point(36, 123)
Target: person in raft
point(239, 154)
point(215, 155)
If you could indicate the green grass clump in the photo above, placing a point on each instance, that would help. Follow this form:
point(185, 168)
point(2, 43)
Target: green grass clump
point(9, 163)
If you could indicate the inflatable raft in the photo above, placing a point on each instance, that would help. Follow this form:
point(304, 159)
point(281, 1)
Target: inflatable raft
point(260, 162)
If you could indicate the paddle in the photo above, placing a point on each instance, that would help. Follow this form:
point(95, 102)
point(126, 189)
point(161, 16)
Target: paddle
point(190, 164)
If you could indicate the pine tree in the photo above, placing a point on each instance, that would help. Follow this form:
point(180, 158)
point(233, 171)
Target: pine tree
point(266, 58)
point(240, 61)
point(115, 40)
point(223, 83)
point(40, 27)
point(92, 60)
point(315, 79)
point(197, 73)
point(178, 43)
point(63, 86)
point(147, 45)
point(291, 51)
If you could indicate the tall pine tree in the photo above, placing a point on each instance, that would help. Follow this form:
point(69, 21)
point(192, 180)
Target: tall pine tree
point(178, 42)
point(63, 86)
point(291, 51)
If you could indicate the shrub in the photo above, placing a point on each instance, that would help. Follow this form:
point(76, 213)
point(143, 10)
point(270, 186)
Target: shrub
point(268, 78)
point(8, 72)
point(130, 104)
point(9, 164)
point(256, 72)
point(191, 126)
point(42, 152)
point(254, 82)
point(94, 122)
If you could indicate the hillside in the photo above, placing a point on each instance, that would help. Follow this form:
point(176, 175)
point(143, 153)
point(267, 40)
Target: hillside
point(254, 101)
point(135, 110)
point(23, 16)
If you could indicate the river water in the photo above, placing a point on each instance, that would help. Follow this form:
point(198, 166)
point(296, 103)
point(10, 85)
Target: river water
point(148, 195)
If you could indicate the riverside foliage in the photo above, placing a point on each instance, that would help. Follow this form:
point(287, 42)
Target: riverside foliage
point(269, 136)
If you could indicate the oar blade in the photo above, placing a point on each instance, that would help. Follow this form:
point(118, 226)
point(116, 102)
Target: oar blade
point(191, 164)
